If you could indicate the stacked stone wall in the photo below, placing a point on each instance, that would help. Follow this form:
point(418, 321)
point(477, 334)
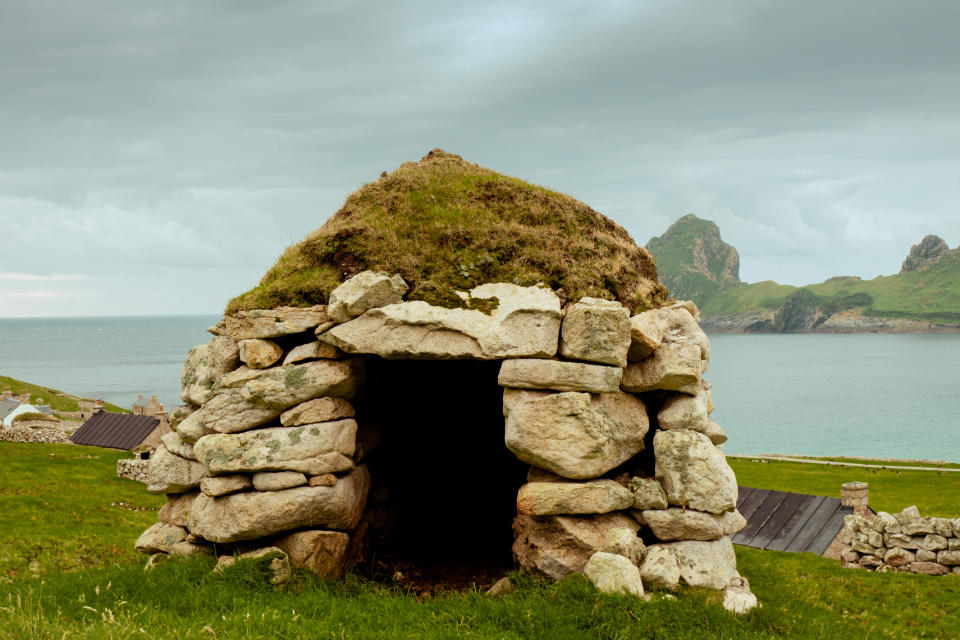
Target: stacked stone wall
point(134, 469)
point(610, 411)
point(903, 542)
point(38, 431)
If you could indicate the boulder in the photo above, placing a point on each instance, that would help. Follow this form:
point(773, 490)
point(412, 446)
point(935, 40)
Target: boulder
point(694, 473)
point(323, 552)
point(189, 549)
point(681, 411)
point(944, 527)
point(675, 324)
point(257, 353)
point(222, 485)
point(705, 564)
point(169, 473)
point(160, 538)
point(908, 515)
point(553, 498)
point(204, 365)
point(929, 568)
point(278, 480)
point(501, 587)
point(558, 375)
point(315, 449)
point(672, 367)
point(175, 443)
point(901, 541)
point(177, 509)
point(315, 350)
point(270, 323)
point(319, 410)
point(953, 544)
point(686, 524)
point(257, 514)
point(612, 573)
point(262, 396)
point(925, 556)
point(949, 557)
point(899, 557)
point(575, 435)
point(181, 413)
point(596, 330)
point(713, 431)
point(625, 542)
point(737, 597)
point(524, 324)
point(660, 569)
point(933, 542)
point(364, 291)
point(557, 546)
point(921, 526)
point(647, 494)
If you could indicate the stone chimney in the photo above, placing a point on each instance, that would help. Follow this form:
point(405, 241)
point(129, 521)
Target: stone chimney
point(856, 495)
point(24, 397)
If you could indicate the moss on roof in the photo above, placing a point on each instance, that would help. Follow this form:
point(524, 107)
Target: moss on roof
point(445, 224)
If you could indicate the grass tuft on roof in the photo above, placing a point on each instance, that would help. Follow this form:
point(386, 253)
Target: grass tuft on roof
point(445, 224)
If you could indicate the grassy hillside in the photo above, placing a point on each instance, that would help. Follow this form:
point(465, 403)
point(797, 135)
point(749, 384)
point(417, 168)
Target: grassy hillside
point(68, 570)
point(51, 397)
point(445, 224)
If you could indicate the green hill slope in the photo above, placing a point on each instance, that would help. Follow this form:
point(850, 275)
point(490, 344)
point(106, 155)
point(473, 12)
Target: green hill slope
point(58, 400)
point(925, 296)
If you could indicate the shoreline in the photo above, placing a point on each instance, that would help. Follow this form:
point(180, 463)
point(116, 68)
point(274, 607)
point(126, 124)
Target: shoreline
point(901, 464)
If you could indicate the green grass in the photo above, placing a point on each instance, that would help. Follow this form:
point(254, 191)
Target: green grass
point(50, 397)
point(891, 490)
point(444, 225)
point(59, 506)
point(887, 463)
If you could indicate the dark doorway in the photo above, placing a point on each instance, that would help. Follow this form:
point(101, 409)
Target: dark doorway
point(444, 481)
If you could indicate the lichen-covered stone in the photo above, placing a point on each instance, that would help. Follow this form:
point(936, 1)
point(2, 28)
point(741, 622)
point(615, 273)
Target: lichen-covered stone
point(204, 365)
point(192, 428)
point(314, 449)
point(160, 538)
point(315, 350)
point(612, 573)
point(596, 330)
point(257, 353)
point(557, 375)
point(270, 323)
point(169, 473)
point(687, 524)
point(222, 485)
point(524, 324)
point(647, 494)
point(672, 367)
point(364, 291)
point(706, 564)
point(693, 472)
point(176, 444)
point(553, 498)
point(257, 514)
point(323, 552)
point(660, 569)
point(682, 411)
point(319, 410)
point(177, 509)
point(278, 480)
point(575, 435)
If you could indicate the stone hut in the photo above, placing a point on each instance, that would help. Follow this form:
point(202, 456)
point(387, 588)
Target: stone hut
point(457, 365)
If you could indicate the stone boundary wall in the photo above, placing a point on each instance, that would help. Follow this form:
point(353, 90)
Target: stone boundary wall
point(134, 469)
point(269, 454)
point(903, 542)
point(36, 431)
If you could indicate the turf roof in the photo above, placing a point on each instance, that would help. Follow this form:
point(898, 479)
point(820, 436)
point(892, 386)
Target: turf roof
point(445, 224)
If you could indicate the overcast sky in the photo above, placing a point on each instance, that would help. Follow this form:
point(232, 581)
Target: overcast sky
point(157, 157)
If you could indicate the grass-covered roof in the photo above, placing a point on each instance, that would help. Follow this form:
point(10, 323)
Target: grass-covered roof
point(445, 224)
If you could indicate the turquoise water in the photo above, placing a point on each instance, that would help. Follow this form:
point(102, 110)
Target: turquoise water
point(864, 395)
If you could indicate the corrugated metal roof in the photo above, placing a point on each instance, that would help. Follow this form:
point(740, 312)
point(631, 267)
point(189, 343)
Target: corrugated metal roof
point(114, 430)
point(785, 521)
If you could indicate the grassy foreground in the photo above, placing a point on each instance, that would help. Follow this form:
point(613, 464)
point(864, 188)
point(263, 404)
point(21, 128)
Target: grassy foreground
point(68, 571)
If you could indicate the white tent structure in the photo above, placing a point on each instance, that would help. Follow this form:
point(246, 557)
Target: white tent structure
point(24, 408)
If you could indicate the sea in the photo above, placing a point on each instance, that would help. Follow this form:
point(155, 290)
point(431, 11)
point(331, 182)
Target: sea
point(871, 395)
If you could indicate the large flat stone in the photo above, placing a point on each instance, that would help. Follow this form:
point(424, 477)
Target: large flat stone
point(364, 291)
point(160, 538)
point(553, 498)
point(557, 375)
point(257, 514)
point(204, 365)
point(672, 367)
point(596, 330)
point(711, 565)
point(612, 573)
point(315, 350)
point(525, 323)
point(693, 472)
point(270, 323)
point(323, 552)
point(557, 546)
point(575, 435)
point(313, 449)
point(319, 410)
point(687, 524)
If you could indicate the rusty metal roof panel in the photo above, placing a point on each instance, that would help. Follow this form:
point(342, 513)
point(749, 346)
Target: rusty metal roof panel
point(114, 430)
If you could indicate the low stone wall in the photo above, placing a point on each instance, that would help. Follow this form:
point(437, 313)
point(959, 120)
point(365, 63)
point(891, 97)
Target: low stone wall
point(37, 431)
point(903, 542)
point(134, 469)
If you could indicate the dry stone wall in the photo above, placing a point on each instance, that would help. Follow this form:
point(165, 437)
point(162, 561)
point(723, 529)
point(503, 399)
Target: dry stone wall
point(627, 482)
point(903, 542)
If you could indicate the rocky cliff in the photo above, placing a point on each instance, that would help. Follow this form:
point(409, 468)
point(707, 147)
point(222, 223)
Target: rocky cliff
point(693, 261)
point(925, 296)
